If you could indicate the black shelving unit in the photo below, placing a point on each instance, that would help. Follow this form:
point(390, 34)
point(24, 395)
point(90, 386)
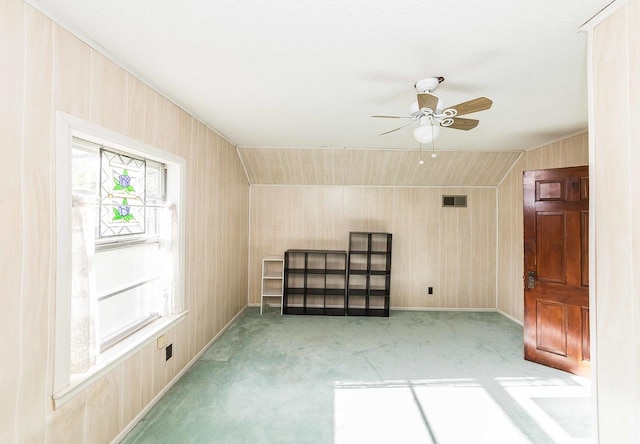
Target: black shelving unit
point(315, 282)
point(369, 275)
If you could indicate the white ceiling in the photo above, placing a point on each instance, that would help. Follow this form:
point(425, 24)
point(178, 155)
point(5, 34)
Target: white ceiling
point(302, 73)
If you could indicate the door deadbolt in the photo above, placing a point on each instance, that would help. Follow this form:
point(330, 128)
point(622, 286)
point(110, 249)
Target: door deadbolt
point(531, 279)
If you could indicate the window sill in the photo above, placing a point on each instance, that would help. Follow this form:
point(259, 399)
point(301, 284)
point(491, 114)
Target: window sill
point(116, 356)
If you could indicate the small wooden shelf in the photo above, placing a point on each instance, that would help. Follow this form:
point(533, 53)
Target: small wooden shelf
point(272, 281)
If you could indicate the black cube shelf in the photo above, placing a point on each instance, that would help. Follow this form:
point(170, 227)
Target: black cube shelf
point(315, 282)
point(369, 274)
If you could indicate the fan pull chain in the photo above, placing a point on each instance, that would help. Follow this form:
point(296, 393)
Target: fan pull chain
point(433, 144)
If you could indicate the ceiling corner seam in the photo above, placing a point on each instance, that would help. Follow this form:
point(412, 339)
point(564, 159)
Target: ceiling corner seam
point(510, 169)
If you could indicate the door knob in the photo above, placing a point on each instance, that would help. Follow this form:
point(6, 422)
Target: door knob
point(531, 279)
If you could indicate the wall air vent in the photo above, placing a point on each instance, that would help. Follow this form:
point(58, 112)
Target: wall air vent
point(454, 201)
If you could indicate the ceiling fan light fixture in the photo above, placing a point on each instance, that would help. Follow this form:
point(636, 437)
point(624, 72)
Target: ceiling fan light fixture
point(430, 113)
point(427, 131)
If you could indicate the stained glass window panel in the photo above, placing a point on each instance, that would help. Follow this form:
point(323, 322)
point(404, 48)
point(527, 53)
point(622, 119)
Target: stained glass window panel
point(122, 194)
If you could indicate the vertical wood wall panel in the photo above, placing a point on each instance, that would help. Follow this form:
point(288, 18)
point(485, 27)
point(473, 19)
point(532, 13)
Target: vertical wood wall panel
point(616, 190)
point(67, 424)
point(103, 409)
point(72, 74)
point(166, 129)
point(450, 249)
point(200, 214)
point(634, 191)
point(108, 93)
point(11, 112)
point(210, 204)
point(53, 70)
point(572, 151)
point(133, 385)
point(136, 91)
point(184, 347)
point(37, 217)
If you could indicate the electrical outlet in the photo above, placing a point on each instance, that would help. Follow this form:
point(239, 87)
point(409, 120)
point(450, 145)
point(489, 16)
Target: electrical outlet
point(162, 341)
point(169, 351)
point(430, 290)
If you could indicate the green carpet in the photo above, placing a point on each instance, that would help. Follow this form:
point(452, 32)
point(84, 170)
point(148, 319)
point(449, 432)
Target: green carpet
point(443, 377)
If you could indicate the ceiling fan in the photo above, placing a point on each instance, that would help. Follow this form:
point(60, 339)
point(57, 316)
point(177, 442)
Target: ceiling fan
point(430, 117)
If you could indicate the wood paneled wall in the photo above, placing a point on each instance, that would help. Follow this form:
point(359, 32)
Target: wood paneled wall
point(572, 151)
point(285, 166)
point(615, 190)
point(450, 249)
point(45, 68)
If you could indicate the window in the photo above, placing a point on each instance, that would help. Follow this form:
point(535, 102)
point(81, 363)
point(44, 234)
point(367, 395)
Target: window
point(119, 249)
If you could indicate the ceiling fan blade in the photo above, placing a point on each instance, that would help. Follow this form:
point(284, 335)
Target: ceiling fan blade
point(472, 106)
point(463, 124)
point(399, 128)
point(393, 117)
point(426, 100)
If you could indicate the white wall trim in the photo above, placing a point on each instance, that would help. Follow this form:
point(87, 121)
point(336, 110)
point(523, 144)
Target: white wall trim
point(482, 310)
point(602, 15)
point(64, 388)
point(132, 346)
point(511, 318)
point(511, 168)
point(439, 187)
point(479, 310)
point(468, 310)
point(244, 168)
point(347, 148)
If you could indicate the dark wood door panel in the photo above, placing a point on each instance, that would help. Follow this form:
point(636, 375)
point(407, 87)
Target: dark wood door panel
point(550, 190)
point(550, 246)
point(556, 222)
point(559, 340)
point(570, 188)
point(561, 294)
point(551, 327)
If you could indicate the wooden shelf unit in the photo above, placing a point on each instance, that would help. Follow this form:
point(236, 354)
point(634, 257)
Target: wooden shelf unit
point(369, 274)
point(315, 282)
point(272, 281)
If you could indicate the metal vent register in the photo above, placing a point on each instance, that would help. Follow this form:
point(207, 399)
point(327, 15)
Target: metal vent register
point(454, 201)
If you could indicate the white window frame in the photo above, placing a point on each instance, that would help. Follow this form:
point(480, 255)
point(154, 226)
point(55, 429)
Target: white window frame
point(65, 385)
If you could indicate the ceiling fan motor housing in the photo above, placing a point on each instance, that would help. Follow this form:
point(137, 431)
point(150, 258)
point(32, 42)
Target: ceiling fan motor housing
point(429, 84)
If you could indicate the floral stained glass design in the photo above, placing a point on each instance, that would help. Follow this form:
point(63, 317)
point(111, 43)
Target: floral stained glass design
point(122, 194)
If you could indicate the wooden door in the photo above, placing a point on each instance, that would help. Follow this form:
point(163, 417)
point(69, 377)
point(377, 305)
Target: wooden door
point(556, 268)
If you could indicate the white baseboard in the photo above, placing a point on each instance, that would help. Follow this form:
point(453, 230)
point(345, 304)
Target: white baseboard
point(441, 309)
point(508, 316)
point(175, 379)
point(257, 304)
point(494, 310)
point(485, 310)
